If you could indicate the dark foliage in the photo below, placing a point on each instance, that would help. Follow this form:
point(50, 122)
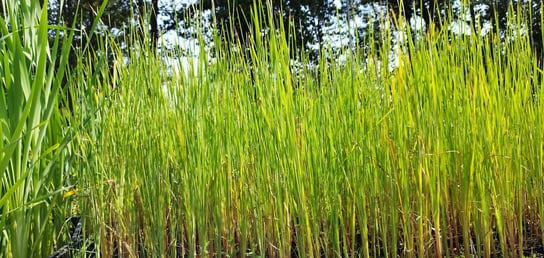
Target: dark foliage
point(303, 19)
point(307, 17)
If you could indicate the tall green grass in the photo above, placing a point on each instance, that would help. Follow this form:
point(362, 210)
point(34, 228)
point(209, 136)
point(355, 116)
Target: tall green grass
point(441, 156)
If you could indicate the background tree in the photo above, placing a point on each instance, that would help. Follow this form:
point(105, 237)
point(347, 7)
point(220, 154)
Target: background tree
point(310, 18)
point(307, 16)
point(116, 15)
point(496, 13)
point(119, 15)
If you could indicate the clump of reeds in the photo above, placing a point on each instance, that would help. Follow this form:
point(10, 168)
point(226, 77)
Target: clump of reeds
point(33, 144)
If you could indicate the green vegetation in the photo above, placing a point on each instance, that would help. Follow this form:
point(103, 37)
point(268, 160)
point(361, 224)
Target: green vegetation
point(31, 129)
point(248, 155)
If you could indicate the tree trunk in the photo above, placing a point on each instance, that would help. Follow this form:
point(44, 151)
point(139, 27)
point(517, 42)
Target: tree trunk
point(141, 20)
point(154, 25)
point(402, 8)
point(407, 11)
point(428, 14)
point(319, 25)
